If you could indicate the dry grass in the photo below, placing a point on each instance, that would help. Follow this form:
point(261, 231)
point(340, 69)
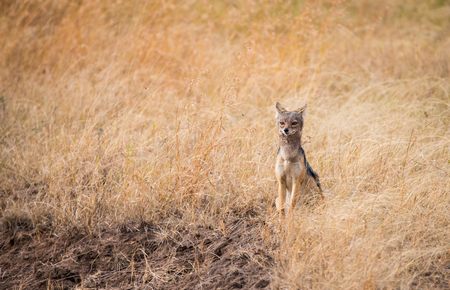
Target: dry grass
point(159, 111)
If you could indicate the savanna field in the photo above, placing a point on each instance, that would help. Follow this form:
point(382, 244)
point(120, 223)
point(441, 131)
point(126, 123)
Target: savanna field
point(138, 143)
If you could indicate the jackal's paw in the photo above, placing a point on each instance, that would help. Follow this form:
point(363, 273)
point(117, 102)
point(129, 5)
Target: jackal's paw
point(277, 204)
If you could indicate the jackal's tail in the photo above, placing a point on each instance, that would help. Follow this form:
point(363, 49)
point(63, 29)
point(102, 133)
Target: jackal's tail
point(313, 174)
point(310, 171)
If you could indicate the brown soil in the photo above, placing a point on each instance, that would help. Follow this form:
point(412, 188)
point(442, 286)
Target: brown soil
point(136, 255)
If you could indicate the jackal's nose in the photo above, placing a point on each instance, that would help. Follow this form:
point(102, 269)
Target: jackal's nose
point(286, 130)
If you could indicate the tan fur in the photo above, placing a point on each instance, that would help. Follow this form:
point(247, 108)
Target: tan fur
point(291, 168)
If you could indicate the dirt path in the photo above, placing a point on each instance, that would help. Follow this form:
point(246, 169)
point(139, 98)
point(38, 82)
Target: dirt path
point(136, 255)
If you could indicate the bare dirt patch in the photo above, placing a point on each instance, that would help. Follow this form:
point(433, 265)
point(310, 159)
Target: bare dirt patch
point(137, 254)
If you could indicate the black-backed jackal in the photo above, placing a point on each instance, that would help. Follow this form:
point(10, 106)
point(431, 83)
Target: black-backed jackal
point(291, 168)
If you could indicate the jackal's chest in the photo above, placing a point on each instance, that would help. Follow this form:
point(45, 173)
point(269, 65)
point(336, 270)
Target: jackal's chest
point(288, 168)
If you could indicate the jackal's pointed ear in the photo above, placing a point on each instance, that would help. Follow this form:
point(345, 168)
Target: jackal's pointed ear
point(301, 110)
point(280, 109)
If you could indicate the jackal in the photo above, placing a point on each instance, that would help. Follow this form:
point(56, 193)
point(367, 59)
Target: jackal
point(291, 168)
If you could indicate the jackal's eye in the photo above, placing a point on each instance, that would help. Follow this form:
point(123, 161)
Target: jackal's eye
point(295, 123)
point(282, 123)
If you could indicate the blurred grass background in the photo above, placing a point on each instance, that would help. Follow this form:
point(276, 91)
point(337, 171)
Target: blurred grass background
point(163, 111)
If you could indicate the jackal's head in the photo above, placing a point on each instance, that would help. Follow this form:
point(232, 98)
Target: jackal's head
point(289, 122)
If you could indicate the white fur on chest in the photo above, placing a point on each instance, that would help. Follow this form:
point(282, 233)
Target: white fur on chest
point(286, 168)
point(288, 153)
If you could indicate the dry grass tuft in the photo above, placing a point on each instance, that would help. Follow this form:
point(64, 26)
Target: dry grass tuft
point(162, 112)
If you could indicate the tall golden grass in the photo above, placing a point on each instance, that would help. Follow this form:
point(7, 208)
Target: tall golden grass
point(113, 111)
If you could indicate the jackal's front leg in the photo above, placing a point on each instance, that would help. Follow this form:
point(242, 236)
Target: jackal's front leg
point(297, 186)
point(281, 200)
